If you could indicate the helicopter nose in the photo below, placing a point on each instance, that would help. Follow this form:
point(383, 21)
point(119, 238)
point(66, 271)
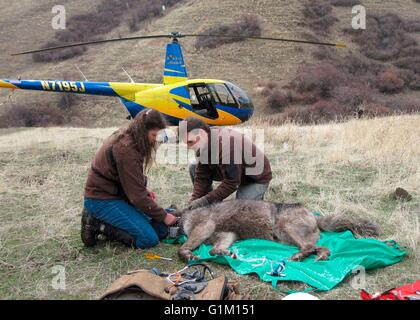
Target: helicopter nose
point(246, 114)
point(247, 108)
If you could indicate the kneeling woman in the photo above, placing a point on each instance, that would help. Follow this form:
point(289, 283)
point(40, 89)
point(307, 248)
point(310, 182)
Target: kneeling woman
point(117, 202)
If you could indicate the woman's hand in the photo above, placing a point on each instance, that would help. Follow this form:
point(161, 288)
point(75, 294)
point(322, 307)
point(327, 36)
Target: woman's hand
point(170, 219)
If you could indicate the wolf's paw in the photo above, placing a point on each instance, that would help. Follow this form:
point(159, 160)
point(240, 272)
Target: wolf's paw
point(299, 256)
point(194, 257)
point(187, 255)
point(221, 252)
point(322, 254)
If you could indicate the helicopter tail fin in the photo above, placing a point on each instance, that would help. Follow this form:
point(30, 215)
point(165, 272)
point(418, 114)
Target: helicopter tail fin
point(175, 70)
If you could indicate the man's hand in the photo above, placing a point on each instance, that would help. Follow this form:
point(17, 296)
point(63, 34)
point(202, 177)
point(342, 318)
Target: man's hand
point(170, 219)
point(198, 203)
point(152, 195)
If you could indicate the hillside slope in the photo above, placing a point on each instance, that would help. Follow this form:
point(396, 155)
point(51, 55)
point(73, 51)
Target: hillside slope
point(245, 63)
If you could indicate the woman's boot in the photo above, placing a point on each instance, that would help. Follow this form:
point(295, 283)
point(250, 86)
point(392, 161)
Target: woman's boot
point(90, 229)
point(116, 234)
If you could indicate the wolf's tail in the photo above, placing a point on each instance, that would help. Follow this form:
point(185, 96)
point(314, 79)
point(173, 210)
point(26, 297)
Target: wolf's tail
point(337, 223)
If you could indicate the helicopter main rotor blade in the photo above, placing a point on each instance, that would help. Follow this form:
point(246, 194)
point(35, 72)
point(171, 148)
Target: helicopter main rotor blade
point(178, 35)
point(338, 45)
point(90, 43)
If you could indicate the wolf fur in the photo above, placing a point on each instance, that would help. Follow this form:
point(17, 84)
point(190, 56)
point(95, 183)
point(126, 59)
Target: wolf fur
point(225, 222)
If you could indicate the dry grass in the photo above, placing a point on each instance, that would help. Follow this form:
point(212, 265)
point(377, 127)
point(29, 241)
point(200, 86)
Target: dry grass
point(349, 168)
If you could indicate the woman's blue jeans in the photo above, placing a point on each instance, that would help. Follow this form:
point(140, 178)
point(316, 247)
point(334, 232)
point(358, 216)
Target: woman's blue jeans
point(121, 214)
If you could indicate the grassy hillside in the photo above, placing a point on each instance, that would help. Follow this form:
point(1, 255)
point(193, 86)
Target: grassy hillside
point(350, 168)
point(246, 63)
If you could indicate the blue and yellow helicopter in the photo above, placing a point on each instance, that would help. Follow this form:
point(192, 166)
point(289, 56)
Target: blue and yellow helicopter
point(217, 102)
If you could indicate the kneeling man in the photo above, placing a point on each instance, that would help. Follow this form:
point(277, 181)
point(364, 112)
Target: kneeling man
point(225, 155)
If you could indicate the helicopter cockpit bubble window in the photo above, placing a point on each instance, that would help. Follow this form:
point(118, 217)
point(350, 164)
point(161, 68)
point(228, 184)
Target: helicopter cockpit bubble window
point(222, 94)
point(240, 96)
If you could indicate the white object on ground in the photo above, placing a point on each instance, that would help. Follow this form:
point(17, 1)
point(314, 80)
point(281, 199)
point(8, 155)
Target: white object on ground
point(300, 296)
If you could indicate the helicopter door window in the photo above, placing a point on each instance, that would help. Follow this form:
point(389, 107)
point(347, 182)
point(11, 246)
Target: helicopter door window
point(193, 97)
point(202, 101)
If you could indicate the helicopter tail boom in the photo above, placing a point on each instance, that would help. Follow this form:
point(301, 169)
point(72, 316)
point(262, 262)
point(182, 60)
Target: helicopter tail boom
point(115, 89)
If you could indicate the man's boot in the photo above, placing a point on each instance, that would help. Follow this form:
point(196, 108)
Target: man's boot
point(90, 229)
point(116, 234)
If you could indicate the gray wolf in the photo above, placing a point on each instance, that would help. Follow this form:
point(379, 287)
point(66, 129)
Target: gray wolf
point(225, 222)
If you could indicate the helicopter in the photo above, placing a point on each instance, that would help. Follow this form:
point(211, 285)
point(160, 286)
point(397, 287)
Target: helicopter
point(217, 102)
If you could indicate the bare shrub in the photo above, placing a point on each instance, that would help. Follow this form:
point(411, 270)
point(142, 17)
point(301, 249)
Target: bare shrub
point(322, 25)
point(353, 95)
point(320, 79)
point(411, 79)
point(132, 23)
point(402, 104)
point(412, 51)
point(277, 99)
point(384, 38)
point(375, 110)
point(31, 116)
point(389, 81)
point(267, 86)
point(357, 65)
point(248, 25)
point(144, 11)
point(57, 55)
point(324, 110)
point(316, 9)
point(408, 76)
point(412, 26)
point(320, 112)
point(345, 3)
point(323, 53)
point(67, 101)
point(318, 16)
point(410, 63)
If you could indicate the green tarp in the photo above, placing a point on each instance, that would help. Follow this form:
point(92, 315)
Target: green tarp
point(347, 253)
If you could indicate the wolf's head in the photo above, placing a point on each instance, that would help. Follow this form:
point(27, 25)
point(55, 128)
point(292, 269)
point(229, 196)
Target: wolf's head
point(280, 208)
point(283, 206)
